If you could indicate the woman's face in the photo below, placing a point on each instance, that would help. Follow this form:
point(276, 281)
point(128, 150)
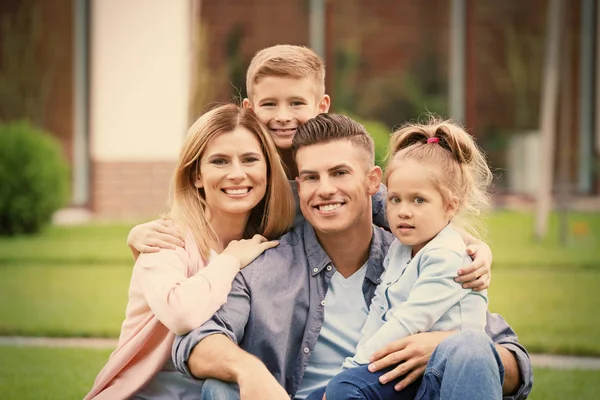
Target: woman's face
point(233, 172)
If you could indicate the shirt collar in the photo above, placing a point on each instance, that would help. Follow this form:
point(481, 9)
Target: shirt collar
point(318, 259)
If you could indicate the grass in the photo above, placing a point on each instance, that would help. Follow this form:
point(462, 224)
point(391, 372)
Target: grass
point(72, 300)
point(511, 237)
point(48, 373)
point(552, 310)
point(62, 245)
point(72, 281)
point(552, 384)
point(40, 373)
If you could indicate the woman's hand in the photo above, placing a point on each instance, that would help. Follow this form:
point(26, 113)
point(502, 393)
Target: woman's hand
point(478, 274)
point(247, 250)
point(153, 236)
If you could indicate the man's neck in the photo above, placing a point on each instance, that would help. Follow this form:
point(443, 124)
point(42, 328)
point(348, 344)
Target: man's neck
point(348, 250)
point(288, 160)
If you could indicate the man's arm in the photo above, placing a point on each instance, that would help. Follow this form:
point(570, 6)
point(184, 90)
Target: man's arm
point(518, 373)
point(230, 320)
point(210, 351)
point(512, 377)
point(217, 357)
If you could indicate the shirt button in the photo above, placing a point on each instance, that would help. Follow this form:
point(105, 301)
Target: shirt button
point(306, 350)
point(329, 268)
point(378, 280)
point(315, 270)
point(323, 303)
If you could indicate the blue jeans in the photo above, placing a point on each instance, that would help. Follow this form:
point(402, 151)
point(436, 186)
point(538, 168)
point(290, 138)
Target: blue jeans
point(214, 389)
point(359, 383)
point(464, 366)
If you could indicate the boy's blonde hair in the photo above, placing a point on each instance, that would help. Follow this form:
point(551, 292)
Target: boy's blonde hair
point(271, 217)
point(286, 60)
point(462, 169)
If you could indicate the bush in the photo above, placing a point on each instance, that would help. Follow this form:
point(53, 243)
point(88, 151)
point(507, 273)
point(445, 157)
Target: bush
point(380, 134)
point(34, 178)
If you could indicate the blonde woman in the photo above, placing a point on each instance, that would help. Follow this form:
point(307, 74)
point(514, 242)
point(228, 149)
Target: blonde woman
point(231, 198)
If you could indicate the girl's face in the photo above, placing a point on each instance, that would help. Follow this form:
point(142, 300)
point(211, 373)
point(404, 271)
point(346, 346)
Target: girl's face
point(415, 208)
point(233, 173)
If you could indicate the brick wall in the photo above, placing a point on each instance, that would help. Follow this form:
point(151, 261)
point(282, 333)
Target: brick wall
point(130, 189)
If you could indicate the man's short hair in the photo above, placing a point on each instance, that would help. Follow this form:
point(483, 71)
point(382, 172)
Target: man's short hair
point(325, 128)
point(286, 61)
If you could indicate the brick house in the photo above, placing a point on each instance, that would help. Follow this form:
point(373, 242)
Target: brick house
point(125, 78)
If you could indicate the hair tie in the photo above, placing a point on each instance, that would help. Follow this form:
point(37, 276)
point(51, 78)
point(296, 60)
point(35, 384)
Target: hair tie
point(433, 140)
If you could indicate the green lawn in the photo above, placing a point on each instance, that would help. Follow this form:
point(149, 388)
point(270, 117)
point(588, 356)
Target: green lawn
point(71, 300)
point(28, 373)
point(552, 310)
point(511, 237)
point(60, 245)
point(42, 373)
point(72, 281)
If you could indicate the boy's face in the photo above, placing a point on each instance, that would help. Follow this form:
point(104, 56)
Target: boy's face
point(283, 104)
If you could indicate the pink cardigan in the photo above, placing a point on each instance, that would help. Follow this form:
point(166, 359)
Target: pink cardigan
point(171, 292)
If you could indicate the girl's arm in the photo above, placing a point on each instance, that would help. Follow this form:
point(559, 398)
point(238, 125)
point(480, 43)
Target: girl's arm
point(432, 295)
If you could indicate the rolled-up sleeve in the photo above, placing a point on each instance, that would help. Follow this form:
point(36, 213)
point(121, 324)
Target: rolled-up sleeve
point(229, 320)
point(502, 334)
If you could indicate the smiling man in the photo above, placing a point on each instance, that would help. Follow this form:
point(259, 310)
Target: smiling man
point(296, 313)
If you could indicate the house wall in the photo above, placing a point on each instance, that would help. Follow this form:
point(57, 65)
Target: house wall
point(139, 57)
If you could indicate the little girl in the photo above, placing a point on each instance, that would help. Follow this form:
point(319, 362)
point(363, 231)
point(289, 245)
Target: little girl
point(435, 175)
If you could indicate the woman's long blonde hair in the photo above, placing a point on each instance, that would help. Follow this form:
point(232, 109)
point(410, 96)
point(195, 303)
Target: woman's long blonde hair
point(271, 217)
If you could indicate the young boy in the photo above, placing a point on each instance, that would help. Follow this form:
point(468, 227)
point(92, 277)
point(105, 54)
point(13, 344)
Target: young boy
point(286, 88)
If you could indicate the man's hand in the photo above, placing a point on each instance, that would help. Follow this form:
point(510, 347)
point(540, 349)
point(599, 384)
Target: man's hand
point(410, 355)
point(259, 384)
point(478, 274)
point(153, 236)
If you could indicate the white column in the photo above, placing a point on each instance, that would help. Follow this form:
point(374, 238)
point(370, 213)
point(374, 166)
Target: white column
point(586, 96)
point(140, 77)
point(456, 84)
point(316, 27)
point(81, 160)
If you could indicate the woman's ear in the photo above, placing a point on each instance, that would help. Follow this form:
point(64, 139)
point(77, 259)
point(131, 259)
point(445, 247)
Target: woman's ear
point(198, 182)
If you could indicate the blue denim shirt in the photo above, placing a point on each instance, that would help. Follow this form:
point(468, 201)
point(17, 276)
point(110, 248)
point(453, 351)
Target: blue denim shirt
point(285, 288)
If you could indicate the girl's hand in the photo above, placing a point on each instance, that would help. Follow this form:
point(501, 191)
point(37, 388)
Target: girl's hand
point(247, 250)
point(478, 274)
point(153, 236)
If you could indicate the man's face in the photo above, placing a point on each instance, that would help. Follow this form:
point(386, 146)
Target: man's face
point(282, 104)
point(335, 184)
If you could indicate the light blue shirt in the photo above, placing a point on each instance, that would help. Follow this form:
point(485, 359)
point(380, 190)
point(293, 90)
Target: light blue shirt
point(420, 294)
point(345, 315)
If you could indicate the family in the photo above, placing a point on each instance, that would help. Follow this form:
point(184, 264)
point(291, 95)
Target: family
point(290, 266)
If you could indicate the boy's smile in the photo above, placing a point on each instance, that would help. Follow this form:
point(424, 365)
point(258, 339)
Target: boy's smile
point(284, 103)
